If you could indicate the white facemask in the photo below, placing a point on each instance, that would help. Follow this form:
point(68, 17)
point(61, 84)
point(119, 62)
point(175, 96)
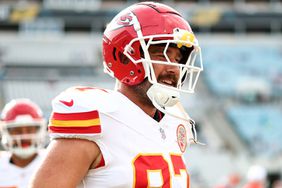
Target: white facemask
point(24, 153)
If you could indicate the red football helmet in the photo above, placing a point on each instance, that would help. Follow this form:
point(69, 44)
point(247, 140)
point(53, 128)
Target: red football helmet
point(130, 35)
point(23, 127)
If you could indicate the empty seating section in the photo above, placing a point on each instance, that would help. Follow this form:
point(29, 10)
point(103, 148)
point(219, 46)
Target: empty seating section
point(247, 73)
point(43, 91)
point(259, 126)
point(46, 50)
point(229, 66)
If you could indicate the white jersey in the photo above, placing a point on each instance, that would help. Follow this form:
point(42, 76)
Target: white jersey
point(137, 150)
point(12, 176)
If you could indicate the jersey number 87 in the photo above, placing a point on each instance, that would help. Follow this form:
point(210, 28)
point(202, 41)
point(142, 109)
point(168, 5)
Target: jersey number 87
point(146, 167)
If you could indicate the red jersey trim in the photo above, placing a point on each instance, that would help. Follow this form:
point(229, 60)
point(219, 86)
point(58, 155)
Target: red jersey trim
point(102, 162)
point(75, 116)
point(76, 130)
point(77, 123)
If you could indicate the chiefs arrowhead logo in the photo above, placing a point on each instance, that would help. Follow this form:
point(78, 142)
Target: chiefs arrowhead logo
point(181, 137)
point(123, 19)
point(67, 103)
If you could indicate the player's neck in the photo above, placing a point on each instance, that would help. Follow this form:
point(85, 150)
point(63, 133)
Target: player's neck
point(147, 107)
point(20, 162)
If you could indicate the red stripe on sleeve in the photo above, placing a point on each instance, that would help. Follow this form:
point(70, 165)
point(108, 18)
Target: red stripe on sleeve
point(75, 116)
point(76, 130)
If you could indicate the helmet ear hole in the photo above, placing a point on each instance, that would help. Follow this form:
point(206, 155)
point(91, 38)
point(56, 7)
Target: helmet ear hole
point(123, 59)
point(114, 54)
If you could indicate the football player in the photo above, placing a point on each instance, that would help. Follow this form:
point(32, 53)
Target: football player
point(256, 177)
point(23, 131)
point(135, 135)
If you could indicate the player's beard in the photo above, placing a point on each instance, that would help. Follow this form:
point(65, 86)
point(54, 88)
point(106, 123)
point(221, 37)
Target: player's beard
point(141, 91)
point(142, 88)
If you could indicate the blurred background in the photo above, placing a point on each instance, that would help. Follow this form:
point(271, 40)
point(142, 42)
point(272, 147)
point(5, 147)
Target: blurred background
point(47, 46)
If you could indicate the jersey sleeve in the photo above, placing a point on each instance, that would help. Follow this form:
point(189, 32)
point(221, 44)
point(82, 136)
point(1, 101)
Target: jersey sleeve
point(76, 113)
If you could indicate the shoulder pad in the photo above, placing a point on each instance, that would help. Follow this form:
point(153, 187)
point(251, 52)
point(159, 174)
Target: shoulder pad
point(77, 111)
point(83, 99)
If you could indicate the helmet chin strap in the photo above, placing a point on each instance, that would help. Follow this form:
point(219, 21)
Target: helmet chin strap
point(163, 99)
